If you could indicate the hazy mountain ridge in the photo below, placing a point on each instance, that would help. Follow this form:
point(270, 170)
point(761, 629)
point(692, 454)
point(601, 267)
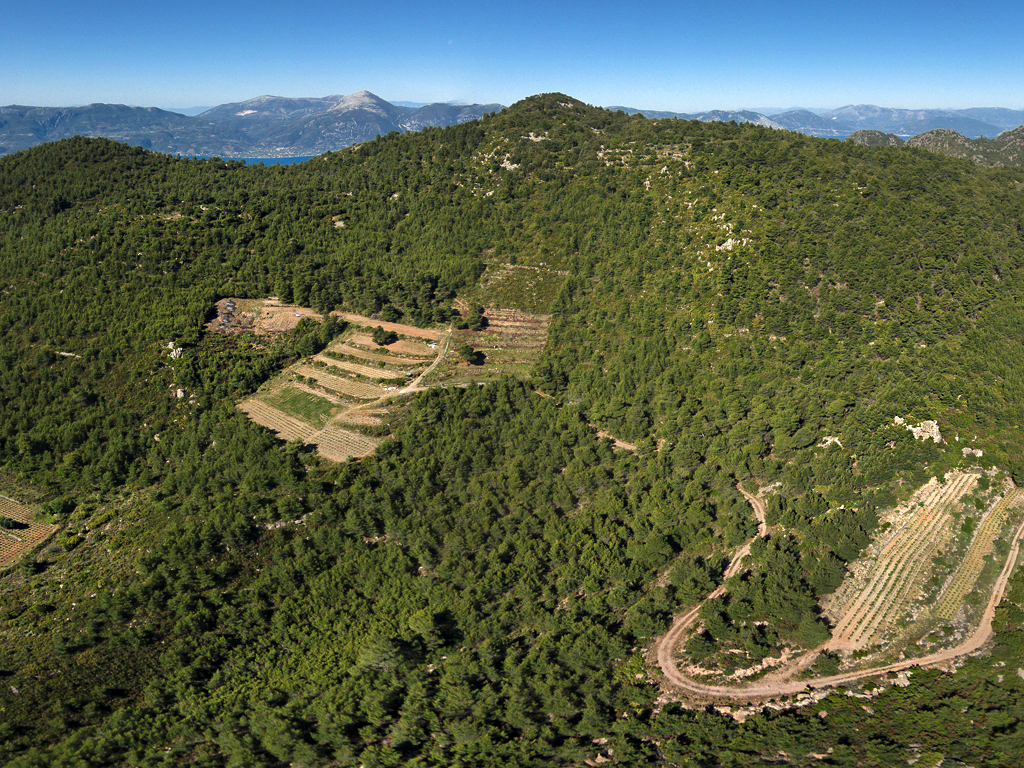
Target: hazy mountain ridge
point(972, 123)
point(278, 126)
point(265, 126)
point(876, 139)
point(22, 127)
point(1005, 149)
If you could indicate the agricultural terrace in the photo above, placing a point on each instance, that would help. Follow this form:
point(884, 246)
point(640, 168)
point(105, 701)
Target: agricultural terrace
point(509, 344)
point(22, 533)
point(342, 399)
point(897, 608)
point(917, 531)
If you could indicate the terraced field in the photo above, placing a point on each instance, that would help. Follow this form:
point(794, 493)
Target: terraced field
point(372, 356)
point(287, 426)
point(901, 563)
point(340, 405)
point(340, 400)
point(961, 582)
point(334, 380)
point(511, 343)
point(370, 372)
point(15, 541)
point(899, 559)
point(339, 444)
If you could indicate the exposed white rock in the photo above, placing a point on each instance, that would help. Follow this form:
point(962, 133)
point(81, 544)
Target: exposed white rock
point(923, 431)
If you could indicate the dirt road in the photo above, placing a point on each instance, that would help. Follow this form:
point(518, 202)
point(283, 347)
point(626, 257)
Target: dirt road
point(414, 386)
point(665, 647)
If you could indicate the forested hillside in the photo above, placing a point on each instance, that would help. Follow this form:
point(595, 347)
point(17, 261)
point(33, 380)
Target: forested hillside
point(482, 590)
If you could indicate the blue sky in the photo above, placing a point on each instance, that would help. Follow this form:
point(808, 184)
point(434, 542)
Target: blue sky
point(680, 56)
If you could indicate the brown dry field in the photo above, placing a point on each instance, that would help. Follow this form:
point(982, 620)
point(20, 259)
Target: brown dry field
point(14, 542)
point(415, 349)
point(269, 316)
point(278, 318)
point(369, 371)
point(348, 347)
point(405, 330)
point(339, 444)
point(340, 383)
point(288, 427)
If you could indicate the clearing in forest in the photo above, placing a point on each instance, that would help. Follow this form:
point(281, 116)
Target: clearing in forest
point(925, 593)
point(509, 344)
point(922, 583)
point(896, 565)
point(342, 399)
point(19, 530)
point(263, 317)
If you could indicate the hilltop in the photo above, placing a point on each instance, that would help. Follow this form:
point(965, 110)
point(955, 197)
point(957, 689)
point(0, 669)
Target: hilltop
point(654, 323)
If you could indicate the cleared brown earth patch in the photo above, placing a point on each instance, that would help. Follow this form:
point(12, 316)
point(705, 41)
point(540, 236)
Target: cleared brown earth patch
point(404, 330)
point(15, 541)
point(402, 349)
point(412, 348)
point(341, 406)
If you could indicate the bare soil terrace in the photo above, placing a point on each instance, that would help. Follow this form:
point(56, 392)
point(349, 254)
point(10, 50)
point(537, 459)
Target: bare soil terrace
point(343, 399)
point(879, 592)
point(342, 404)
point(15, 541)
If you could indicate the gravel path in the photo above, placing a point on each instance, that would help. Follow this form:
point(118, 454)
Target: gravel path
point(665, 647)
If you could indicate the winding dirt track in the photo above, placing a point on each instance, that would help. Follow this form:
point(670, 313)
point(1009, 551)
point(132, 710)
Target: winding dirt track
point(665, 647)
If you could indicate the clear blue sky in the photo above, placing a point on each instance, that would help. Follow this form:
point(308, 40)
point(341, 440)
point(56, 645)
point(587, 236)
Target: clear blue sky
point(680, 56)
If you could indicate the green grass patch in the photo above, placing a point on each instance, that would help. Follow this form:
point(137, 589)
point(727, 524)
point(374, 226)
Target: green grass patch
point(303, 405)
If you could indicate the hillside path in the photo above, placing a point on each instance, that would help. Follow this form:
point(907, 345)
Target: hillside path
point(665, 647)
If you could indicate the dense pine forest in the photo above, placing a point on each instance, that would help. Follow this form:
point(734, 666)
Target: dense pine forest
point(483, 590)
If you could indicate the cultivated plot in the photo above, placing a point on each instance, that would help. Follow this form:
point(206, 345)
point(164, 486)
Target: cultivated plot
point(341, 400)
point(887, 602)
point(19, 530)
point(509, 344)
point(918, 530)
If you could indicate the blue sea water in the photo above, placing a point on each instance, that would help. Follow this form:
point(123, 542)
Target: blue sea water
point(272, 160)
point(263, 160)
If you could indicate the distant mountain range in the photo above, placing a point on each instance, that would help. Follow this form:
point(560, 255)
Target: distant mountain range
point(267, 126)
point(274, 126)
point(839, 123)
